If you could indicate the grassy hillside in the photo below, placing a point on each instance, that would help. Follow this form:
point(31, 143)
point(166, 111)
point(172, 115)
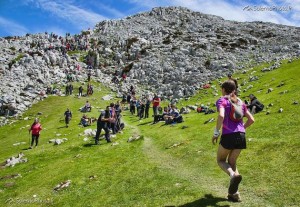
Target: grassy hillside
point(169, 165)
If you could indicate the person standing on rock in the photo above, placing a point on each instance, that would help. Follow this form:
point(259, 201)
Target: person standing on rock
point(68, 117)
point(102, 123)
point(233, 138)
point(35, 130)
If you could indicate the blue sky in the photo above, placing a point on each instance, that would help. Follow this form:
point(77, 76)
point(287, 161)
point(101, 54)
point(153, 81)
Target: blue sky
point(18, 17)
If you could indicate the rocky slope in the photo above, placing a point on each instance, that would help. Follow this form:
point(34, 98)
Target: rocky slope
point(176, 50)
point(172, 51)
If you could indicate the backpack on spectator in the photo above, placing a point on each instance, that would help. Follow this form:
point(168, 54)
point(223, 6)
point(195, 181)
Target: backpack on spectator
point(236, 110)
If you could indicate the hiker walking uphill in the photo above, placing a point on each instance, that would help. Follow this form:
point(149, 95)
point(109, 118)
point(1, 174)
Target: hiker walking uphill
point(233, 138)
point(102, 123)
point(68, 117)
point(35, 130)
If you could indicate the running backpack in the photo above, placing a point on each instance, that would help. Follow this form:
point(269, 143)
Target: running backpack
point(236, 110)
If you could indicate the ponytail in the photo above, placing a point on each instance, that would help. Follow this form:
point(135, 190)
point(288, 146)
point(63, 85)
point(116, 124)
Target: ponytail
point(233, 97)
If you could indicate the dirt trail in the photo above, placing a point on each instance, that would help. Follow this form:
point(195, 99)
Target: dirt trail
point(193, 173)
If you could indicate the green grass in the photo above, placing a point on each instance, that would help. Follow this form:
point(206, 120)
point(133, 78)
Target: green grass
point(81, 54)
point(149, 173)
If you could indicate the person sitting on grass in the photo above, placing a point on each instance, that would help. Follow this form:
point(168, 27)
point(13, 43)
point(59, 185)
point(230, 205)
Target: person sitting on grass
point(254, 106)
point(174, 116)
point(85, 121)
point(87, 107)
point(160, 114)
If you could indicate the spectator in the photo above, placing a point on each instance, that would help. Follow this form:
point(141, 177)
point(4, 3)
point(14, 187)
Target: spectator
point(128, 98)
point(255, 106)
point(70, 89)
point(49, 90)
point(138, 104)
point(156, 102)
point(87, 107)
point(118, 125)
point(132, 105)
point(173, 116)
point(112, 119)
point(85, 121)
point(67, 90)
point(161, 114)
point(142, 109)
point(35, 130)
point(89, 76)
point(131, 90)
point(147, 107)
point(80, 90)
point(124, 100)
point(102, 123)
point(68, 117)
point(89, 89)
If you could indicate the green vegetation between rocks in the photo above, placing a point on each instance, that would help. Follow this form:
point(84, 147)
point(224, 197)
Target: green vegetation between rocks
point(171, 165)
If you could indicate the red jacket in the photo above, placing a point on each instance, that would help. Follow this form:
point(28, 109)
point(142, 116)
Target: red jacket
point(156, 102)
point(36, 128)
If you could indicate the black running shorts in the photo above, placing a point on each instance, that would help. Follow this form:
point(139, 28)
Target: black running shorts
point(235, 140)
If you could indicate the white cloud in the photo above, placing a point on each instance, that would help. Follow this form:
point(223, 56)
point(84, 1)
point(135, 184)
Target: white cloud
point(75, 15)
point(147, 3)
point(12, 28)
point(110, 10)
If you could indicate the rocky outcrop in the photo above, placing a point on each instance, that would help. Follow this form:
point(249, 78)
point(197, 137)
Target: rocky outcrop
point(11, 162)
point(27, 66)
point(172, 51)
